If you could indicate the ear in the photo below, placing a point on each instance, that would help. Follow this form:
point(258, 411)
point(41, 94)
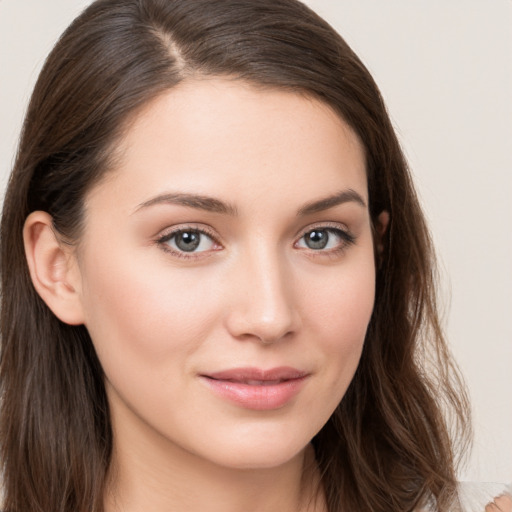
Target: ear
point(381, 226)
point(53, 268)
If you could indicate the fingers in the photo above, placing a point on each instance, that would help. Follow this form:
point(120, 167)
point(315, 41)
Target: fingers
point(500, 504)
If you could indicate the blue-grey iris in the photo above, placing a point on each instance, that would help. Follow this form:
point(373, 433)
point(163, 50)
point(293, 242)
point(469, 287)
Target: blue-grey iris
point(316, 239)
point(187, 241)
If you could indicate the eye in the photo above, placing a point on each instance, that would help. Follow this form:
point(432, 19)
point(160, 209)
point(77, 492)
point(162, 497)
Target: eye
point(325, 239)
point(189, 240)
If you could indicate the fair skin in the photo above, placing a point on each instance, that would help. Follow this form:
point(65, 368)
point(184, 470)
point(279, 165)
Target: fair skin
point(500, 504)
point(233, 236)
point(272, 187)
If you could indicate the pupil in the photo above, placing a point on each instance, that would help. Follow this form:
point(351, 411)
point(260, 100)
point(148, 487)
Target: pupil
point(187, 241)
point(317, 239)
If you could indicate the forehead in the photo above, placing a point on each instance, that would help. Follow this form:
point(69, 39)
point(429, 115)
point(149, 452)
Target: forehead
point(227, 137)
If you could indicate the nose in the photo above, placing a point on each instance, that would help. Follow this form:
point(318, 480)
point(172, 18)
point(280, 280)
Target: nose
point(263, 304)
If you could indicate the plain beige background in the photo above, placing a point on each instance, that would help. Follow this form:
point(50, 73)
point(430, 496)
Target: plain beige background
point(445, 70)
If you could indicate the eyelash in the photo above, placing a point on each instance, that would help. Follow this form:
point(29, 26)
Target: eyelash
point(166, 237)
point(346, 237)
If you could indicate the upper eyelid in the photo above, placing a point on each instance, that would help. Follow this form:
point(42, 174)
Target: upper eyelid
point(201, 228)
point(204, 228)
point(340, 226)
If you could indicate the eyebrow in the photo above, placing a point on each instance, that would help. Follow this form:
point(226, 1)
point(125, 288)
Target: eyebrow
point(342, 197)
point(199, 202)
point(211, 204)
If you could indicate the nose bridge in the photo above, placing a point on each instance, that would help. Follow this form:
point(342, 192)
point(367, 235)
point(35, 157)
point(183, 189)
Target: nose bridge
point(263, 305)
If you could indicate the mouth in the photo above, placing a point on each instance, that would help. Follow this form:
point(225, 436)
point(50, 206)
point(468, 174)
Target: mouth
point(257, 389)
point(251, 382)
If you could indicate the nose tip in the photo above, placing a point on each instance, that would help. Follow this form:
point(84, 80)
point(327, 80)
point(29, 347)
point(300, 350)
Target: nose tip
point(263, 308)
point(265, 329)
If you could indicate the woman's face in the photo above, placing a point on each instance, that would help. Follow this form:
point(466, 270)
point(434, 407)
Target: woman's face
point(227, 273)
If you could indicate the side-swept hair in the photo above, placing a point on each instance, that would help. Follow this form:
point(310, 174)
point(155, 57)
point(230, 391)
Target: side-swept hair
point(388, 445)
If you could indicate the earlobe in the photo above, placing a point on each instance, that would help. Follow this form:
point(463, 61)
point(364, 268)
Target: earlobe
point(53, 268)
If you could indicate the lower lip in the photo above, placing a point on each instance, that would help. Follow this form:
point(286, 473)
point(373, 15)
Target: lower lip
point(257, 397)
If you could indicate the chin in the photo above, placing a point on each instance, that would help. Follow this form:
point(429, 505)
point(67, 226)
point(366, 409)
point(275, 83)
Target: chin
point(257, 459)
point(262, 450)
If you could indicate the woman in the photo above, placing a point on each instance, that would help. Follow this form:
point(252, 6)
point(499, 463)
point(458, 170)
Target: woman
point(217, 281)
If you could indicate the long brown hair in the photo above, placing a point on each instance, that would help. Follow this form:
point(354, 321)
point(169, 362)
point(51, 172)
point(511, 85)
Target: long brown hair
point(390, 444)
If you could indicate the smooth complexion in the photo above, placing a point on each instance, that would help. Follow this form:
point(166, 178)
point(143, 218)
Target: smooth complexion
point(226, 276)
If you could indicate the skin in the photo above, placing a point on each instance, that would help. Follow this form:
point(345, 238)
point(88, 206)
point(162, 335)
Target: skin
point(254, 293)
point(500, 504)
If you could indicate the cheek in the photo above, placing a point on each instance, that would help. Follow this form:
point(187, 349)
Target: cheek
point(344, 307)
point(138, 313)
point(340, 315)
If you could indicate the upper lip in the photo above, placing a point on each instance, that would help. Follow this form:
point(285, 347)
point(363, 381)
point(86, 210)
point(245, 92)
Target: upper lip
point(280, 374)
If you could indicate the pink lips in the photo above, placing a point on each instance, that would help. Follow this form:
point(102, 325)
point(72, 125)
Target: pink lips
point(253, 388)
